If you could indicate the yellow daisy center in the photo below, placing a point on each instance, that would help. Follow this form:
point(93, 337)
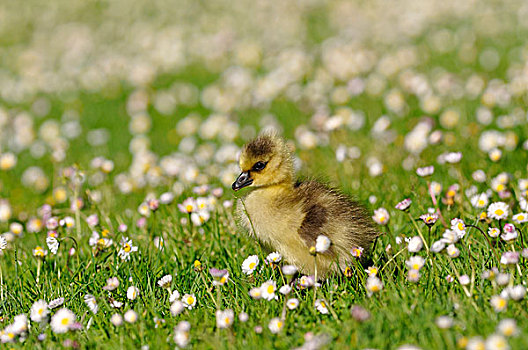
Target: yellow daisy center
point(65, 321)
point(127, 248)
point(499, 212)
point(251, 265)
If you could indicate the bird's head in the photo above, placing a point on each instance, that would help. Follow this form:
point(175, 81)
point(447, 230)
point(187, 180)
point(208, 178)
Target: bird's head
point(265, 161)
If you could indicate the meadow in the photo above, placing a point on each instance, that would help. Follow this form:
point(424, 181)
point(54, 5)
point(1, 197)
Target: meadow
point(120, 128)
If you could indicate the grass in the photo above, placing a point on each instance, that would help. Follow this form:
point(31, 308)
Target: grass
point(403, 312)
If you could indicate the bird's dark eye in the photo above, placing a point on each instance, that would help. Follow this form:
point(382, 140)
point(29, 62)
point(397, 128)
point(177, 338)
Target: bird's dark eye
point(259, 166)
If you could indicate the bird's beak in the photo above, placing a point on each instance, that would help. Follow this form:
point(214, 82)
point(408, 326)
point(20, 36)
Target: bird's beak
point(243, 180)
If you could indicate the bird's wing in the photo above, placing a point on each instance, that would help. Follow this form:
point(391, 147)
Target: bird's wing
point(313, 223)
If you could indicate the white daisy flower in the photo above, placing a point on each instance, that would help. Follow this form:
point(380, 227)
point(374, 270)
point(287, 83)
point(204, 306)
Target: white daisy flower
point(321, 306)
point(177, 308)
point(415, 244)
point(520, 218)
point(165, 281)
point(39, 311)
point(508, 327)
point(62, 320)
point(130, 316)
point(91, 302)
point(55, 303)
point(268, 290)
point(292, 303)
point(126, 248)
point(498, 303)
point(189, 300)
point(275, 325)
point(250, 264)
point(132, 293)
point(415, 262)
point(498, 210)
point(53, 244)
point(480, 200)
point(224, 318)
point(116, 320)
point(274, 258)
point(381, 216)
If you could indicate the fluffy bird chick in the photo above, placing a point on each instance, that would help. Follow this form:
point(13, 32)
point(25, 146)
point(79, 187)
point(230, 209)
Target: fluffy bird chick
point(288, 216)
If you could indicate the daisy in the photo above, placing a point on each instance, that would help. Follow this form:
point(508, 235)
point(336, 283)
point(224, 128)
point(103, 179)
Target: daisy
point(16, 228)
point(200, 217)
point(273, 258)
point(425, 171)
point(438, 246)
point(243, 316)
point(322, 244)
point(517, 292)
point(459, 227)
point(177, 308)
point(268, 290)
point(373, 285)
point(497, 342)
point(91, 302)
point(289, 270)
point(165, 281)
point(508, 327)
point(415, 244)
point(498, 303)
point(452, 251)
point(111, 284)
point(275, 325)
point(132, 293)
point(429, 219)
point(359, 313)
point(220, 276)
point(116, 320)
point(144, 209)
point(480, 200)
point(509, 258)
point(130, 316)
point(285, 290)
point(450, 237)
point(174, 296)
point(444, 322)
point(39, 252)
point(292, 303)
point(181, 334)
point(413, 275)
point(255, 293)
point(189, 301)
point(520, 218)
point(404, 204)
point(306, 281)
point(372, 270)
point(415, 262)
point(475, 343)
point(453, 157)
point(356, 252)
point(39, 311)
point(250, 264)
point(320, 305)
point(498, 210)
point(55, 303)
point(62, 321)
point(493, 232)
point(510, 233)
point(126, 248)
point(224, 319)
point(381, 216)
point(3, 242)
point(53, 244)
point(188, 206)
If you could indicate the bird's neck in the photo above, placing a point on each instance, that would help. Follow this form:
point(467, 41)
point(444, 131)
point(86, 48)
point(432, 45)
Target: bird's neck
point(278, 189)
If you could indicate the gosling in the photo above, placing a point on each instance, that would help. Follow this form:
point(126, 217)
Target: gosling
point(288, 216)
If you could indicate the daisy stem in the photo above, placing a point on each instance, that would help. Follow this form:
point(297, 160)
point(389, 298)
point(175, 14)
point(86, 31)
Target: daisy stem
point(77, 212)
point(419, 233)
point(391, 259)
point(38, 270)
point(466, 291)
point(435, 203)
point(315, 278)
point(208, 290)
point(1, 284)
point(283, 315)
point(334, 315)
